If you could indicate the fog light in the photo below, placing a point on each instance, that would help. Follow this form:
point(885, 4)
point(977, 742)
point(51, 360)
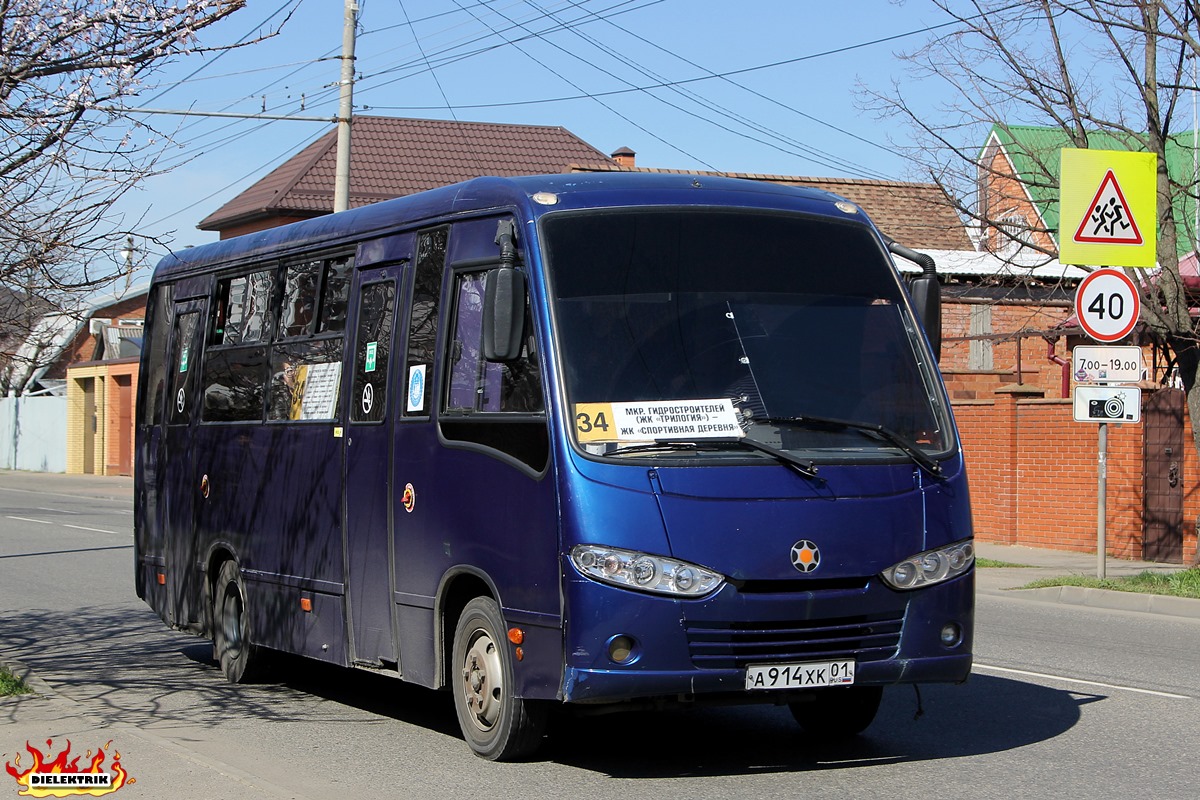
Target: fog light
point(621, 649)
point(951, 634)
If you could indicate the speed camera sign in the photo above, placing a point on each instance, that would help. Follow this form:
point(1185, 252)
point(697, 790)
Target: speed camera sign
point(1107, 305)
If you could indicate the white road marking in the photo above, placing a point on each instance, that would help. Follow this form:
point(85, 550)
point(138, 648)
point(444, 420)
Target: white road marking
point(1044, 676)
point(83, 528)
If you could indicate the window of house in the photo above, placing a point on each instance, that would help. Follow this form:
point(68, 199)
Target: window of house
point(980, 349)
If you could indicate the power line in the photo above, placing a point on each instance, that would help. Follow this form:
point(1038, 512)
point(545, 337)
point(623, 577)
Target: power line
point(797, 148)
point(568, 81)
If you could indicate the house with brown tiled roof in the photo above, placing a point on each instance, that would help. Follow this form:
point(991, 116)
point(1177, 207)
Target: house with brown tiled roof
point(914, 214)
point(393, 157)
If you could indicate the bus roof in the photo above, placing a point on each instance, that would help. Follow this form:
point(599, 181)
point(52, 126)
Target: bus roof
point(534, 195)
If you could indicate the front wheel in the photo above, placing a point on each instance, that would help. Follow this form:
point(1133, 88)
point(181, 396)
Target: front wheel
point(496, 724)
point(838, 713)
point(240, 660)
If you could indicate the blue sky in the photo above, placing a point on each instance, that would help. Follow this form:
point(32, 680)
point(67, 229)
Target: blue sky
point(789, 108)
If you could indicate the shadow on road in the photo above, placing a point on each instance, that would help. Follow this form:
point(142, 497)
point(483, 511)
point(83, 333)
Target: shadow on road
point(985, 715)
point(125, 666)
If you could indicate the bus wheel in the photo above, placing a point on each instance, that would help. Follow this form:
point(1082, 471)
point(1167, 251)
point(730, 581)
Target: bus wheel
point(838, 713)
point(497, 725)
point(240, 660)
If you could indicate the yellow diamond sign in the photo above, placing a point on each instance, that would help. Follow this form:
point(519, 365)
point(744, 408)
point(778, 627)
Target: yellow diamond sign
point(1108, 214)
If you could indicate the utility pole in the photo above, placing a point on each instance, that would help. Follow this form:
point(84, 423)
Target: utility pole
point(341, 181)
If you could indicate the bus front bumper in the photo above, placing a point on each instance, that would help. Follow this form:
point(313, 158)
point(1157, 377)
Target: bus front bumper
point(675, 649)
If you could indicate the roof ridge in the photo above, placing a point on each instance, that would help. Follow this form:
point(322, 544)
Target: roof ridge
point(762, 176)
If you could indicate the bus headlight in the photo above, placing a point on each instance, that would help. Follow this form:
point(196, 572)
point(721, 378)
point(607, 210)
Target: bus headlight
point(932, 566)
point(633, 570)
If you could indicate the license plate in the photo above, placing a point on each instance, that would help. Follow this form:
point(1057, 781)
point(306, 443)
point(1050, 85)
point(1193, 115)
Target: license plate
point(800, 676)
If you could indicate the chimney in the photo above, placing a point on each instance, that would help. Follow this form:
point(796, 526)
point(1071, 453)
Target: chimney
point(624, 158)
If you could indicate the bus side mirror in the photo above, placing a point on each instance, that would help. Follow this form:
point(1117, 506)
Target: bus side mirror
point(503, 314)
point(926, 295)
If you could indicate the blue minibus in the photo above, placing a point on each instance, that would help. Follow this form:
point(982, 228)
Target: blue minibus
point(595, 440)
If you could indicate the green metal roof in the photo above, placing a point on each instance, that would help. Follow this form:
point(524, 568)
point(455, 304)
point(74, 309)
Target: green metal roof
point(1034, 154)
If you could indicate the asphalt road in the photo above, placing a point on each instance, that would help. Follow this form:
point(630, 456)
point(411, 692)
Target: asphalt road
point(1065, 701)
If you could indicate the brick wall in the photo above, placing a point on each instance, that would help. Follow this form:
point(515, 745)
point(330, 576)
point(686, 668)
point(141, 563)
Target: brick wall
point(1033, 475)
point(1006, 321)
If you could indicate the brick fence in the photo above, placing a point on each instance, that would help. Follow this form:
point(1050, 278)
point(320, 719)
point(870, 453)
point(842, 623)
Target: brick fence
point(1033, 476)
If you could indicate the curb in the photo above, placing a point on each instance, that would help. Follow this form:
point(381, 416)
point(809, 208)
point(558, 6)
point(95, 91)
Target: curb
point(38, 687)
point(1113, 600)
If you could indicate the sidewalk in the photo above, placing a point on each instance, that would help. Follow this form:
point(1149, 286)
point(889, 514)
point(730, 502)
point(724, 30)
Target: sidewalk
point(158, 765)
point(1038, 563)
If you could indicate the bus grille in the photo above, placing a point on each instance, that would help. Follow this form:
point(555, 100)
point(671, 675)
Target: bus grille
point(734, 645)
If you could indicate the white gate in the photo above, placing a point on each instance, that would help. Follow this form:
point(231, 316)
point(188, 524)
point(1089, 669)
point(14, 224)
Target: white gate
point(33, 433)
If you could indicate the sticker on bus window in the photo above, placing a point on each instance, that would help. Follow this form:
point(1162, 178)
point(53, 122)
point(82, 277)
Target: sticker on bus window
point(372, 351)
point(651, 420)
point(416, 388)
point(183, 359)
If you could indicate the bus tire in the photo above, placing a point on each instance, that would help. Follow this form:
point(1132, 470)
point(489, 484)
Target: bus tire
point(496, 724)
point(838, 713)
point(240, 660)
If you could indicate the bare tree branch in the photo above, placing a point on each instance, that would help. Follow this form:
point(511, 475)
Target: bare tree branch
point(66, 156)
point(1091, 71)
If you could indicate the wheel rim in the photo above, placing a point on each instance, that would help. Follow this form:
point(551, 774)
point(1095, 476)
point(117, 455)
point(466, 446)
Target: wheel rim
point(482, 680)
point(231, 623)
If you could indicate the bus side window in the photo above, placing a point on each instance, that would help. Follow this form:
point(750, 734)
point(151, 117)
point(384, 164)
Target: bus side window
point(423, 319)
point(335, 289)
point(479, 385)
point(156, 343)
point(491, 404)
point(243, 314)
point(233, 379)
point(235, 361)
point(372, 352)
point(306, 378)
point(299, 299)
point(183, 367)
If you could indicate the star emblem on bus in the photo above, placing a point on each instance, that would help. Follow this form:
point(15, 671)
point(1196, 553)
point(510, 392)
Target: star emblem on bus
point(806, 556)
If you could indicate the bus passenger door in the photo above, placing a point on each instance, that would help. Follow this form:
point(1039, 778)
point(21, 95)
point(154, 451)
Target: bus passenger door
point(368, 522)
point(180, 484)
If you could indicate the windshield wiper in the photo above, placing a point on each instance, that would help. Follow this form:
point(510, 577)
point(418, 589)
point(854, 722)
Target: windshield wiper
point(805, 468)
point(922, 459)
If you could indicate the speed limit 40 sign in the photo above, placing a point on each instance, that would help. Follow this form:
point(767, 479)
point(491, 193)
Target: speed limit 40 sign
point(1107, 305)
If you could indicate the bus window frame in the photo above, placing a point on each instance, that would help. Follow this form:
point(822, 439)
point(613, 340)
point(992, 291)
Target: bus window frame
point(448, 321)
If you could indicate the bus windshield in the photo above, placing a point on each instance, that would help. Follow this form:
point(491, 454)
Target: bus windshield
point(799, 322)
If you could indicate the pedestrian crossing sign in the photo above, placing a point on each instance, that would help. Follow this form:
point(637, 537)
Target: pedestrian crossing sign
point(1108, 215)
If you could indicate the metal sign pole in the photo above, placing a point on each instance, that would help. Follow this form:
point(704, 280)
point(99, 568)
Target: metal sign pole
point(1102, 502)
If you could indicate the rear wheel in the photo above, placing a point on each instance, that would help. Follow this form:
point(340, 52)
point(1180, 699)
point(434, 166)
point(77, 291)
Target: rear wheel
point(838, 713)
point(496, 724)
point(240, 660)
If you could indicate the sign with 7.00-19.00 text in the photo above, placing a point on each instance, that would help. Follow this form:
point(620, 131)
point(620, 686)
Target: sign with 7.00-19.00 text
point(1102, 371)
